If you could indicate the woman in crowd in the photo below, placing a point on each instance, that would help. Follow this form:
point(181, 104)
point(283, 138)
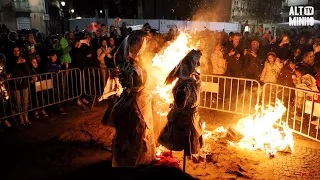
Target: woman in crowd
point(104, 57)
point(20, 87)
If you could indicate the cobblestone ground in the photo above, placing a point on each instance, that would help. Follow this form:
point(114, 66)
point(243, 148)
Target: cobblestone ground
point(303, 163)
point(33, 148)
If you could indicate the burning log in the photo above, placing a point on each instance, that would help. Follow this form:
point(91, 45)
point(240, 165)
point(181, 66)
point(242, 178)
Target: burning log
point(233, 134)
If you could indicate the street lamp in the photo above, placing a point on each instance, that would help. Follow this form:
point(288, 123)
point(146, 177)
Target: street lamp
point(63, 3)
point(72, 10)
point(101, 11)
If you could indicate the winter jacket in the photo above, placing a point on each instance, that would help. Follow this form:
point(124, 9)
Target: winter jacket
point(65, 49)
point(219, 64)
point(306, 82)
point(271, 72)
point(285, 76)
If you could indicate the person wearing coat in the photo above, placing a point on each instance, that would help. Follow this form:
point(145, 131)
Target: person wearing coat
point(272, 69)
point(270, 74)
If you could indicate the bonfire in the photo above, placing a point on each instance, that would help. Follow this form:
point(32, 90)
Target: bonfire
point(256, 132)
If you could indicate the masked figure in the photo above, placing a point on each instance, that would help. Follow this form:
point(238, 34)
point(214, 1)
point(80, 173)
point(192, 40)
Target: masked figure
point(183, 130)
point(132, 113)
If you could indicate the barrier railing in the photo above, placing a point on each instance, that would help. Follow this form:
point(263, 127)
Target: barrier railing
point(94, 80)
point(21, 95)
point(229, 94)
point(303, 108)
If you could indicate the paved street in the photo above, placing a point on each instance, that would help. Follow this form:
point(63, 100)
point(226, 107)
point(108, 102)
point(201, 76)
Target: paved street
point(39, 148)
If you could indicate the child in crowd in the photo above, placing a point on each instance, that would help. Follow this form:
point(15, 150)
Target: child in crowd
point(38, 97)
point(272, 68)
point(57, 79)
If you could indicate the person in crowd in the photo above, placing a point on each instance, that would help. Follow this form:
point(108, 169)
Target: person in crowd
point(252, 61)
point(79, 55)
point(65, 50)
point(115, 31)
point(272, 69)
point(4, 94)
point(20, 69)
point(286, 73)
point(104, 32)
point(55, 68)
point(104, 56)
point(283, 50)
point(305, 81)
point(70, 38)
point(112, 45)
point(31, 40)
point(39, 97)
point(302, 44)
point(219, 64)
point(230, 39)
point(124, 30)
point(316, 51)
point(76, 30)
point(32, 53)
point(296, 56)
point(233, 55)
point(308, 61)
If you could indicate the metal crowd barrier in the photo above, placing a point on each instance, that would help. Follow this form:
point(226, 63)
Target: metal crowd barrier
point(94, 80)
point(229, 94)
point(303, 108)
point(22, 95)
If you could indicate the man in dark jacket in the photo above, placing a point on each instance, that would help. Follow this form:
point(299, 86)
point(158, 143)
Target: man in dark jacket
point(252, 61)
point(234, 53)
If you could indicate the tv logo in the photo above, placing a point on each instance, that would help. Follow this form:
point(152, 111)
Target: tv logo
point(301, 16)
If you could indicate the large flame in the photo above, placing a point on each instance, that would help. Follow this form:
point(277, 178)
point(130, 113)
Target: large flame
point(163, 63)
point(260, 132)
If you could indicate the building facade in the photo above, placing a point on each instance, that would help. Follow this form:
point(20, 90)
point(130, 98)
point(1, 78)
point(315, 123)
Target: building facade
point(23, 14)
point(256, 13)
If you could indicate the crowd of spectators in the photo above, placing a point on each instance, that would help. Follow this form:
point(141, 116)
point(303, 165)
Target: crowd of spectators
point(25, 54)
point(293, 59)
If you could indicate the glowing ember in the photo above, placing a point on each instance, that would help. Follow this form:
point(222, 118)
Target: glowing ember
point(163, 63)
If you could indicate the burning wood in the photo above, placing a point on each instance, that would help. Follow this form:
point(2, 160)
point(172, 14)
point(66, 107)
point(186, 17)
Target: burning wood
point(257, 132)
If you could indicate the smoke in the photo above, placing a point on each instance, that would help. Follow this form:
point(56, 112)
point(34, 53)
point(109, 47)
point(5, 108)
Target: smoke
point(214, 11)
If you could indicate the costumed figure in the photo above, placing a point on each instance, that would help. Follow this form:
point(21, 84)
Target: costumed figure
point(183, 130)
point(131, 114)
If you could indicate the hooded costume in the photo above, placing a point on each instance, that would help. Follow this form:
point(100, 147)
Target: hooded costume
point(131, 114)
point(183, 130)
